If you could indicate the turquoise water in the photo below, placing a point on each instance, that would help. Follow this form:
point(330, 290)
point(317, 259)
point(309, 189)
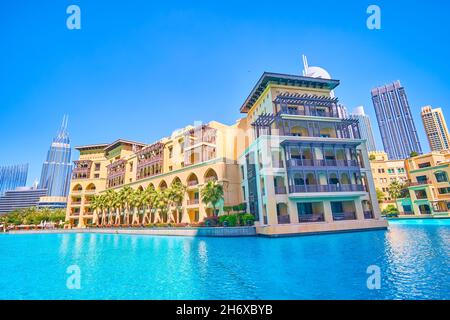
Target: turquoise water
point(413, 256)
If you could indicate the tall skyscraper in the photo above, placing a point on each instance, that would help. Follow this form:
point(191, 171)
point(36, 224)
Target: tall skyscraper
point(12, 177)
point(395, 121)
point(365, 127)
point(57, 168)
point(435, 128)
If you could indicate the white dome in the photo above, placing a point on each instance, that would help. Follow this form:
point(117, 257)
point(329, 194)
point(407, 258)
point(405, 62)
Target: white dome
point(318, 72)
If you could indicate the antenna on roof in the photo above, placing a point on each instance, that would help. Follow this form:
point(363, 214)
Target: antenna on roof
point(305, 65)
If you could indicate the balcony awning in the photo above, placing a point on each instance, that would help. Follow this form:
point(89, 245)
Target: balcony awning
point(305, 99)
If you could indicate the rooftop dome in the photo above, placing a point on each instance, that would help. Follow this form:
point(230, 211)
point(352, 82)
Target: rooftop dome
point(317, 72)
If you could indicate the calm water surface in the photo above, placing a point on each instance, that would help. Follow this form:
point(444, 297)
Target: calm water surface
point(414, 258)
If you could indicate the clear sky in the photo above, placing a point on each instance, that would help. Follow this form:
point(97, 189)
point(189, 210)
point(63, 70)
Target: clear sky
point(139, 69)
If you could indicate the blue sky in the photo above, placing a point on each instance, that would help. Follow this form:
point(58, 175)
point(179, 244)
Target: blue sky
point(165, 64)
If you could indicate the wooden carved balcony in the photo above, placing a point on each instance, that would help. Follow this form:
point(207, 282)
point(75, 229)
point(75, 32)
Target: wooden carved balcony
point(82, 169)
point(150, 160)
point(200, 134)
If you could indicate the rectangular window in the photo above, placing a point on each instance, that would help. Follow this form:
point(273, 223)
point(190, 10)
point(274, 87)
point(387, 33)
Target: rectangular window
point(96, 176)
point(424, 165)
point(97, 167)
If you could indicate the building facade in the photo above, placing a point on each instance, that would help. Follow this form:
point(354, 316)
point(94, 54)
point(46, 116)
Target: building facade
point(435, 128)
point(397, 128)
point(298, 166)
point(192, 156)
point(12, 177)
point(57, 168)
point(429, 185)
point(384, 172)
point(20, 198)
point(306, 170)
point(365, 127)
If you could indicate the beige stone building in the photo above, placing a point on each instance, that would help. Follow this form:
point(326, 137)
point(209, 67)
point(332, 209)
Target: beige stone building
point(192, 156)
point(429, 185)
point(384, 172)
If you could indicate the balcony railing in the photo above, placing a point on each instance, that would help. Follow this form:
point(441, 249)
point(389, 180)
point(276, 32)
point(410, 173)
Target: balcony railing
point(327, 188)
point(314, 217)
point(340, 216)
point(192, 183)
point(368, 214)
point(284, 219)
point(309, 112)
point(321, 163)
point(419, 183)
point(280, 190)
point(192, 202)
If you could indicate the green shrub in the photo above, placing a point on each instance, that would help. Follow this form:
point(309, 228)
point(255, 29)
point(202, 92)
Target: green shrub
point(391, 211)
point(248, 219)
point(211, 221)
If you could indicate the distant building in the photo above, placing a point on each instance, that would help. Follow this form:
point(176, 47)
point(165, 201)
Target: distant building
point(435, 128)
point(57, 168)
point(23, 197)
point(397, 128)
point(384, 172)
point(365, 127)
point(428, 185)
point(12, 177)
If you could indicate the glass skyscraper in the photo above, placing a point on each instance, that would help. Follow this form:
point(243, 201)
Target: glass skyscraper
point(12, 177)
point(365, 127)
point(57, 168)
point(398, 132)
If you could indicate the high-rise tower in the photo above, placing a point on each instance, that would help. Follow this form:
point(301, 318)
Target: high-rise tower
point(57, 168)
point(436, 128)
point(395, 120)
point(365, 127)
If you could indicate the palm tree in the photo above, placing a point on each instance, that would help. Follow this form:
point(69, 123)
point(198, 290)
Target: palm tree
point(95, 205)
point(212, 194)
point(177, 192)
point(395, 191)
point(150, 200)
point(380, 195)
point(136, 203)
point(125, 195)
point(102, 206)
point(111, 204)
point(162, 202)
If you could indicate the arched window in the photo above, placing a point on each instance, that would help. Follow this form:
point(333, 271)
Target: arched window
point(210, 175)
point(299, 131)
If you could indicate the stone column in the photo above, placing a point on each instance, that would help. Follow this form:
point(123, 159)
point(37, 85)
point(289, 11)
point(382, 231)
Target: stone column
point(328, 214)
point(359, 209)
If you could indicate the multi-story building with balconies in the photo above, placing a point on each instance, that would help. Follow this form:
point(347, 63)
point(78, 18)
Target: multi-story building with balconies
point(192, 155)
point(429, 185)
point(306, 170)
point(384, 172)
point(297, 163)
